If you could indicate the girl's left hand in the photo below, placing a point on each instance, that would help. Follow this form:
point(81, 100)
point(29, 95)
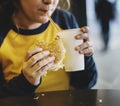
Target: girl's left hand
point(86, 47)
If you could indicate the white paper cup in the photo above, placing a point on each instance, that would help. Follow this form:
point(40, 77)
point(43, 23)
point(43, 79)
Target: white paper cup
point(73, 60)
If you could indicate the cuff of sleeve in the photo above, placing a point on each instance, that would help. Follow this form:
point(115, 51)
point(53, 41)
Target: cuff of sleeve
point(22, 86)
point(26, 84)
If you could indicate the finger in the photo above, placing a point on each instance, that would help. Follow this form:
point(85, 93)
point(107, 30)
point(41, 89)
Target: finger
point(82, 46)
point(84, 29)
point(32, 51)
point(37, 57)
point(83, 36)
point(43, 63)
point(44, 69)
point(88, 51)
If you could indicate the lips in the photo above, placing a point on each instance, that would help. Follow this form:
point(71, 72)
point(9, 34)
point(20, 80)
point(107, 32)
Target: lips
point(44, 11)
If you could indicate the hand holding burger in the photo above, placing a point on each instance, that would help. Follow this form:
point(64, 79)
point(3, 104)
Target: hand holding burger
point(42, 57)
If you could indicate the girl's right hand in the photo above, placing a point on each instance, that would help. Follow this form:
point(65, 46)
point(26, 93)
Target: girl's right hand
point(36, 64)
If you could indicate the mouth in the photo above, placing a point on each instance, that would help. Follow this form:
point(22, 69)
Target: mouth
point(43, 11)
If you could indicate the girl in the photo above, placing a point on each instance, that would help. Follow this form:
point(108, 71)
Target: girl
point(22, 67)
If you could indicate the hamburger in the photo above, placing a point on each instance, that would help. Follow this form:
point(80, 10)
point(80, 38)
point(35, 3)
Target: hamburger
point(56, 49)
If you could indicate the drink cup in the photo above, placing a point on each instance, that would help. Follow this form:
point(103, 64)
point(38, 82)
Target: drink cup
point(73, 61)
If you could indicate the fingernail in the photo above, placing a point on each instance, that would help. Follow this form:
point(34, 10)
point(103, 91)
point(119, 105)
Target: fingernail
point(77, 48)
point(47, 52)
point(53, 57)
point(81, 52)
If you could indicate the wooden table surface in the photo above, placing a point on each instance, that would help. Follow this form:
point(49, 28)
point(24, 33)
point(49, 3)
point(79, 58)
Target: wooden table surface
point(67, 98)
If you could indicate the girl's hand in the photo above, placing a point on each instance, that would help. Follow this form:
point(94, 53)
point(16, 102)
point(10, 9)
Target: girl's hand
point(36, 64)
point(86, 47)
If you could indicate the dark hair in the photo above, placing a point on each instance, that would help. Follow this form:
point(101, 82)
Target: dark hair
point(7, 7)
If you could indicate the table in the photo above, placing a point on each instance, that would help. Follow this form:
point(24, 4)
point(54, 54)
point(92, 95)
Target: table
point(67, 98)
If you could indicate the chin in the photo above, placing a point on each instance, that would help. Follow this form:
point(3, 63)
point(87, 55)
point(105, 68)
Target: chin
point(43, 19)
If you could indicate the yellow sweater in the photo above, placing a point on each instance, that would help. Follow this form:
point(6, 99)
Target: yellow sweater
point(13, 51)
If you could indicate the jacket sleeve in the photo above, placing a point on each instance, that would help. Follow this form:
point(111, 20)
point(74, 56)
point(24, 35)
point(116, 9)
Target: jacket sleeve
point(16, 86)
point(87, 78)
point(64, 19)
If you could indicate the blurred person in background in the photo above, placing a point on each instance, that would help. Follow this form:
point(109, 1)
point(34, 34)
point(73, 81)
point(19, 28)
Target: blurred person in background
point(105, 13)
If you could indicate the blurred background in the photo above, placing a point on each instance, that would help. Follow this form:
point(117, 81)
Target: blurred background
point(106, 54)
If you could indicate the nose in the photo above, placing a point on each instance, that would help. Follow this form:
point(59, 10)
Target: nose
point(47, 1)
